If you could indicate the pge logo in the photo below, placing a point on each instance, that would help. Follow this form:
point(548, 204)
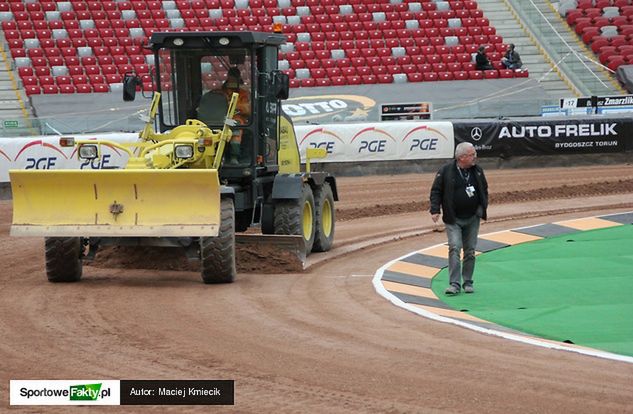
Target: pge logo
point(476, 133)
point(424, 144)
point(372, 140)
point(321, 138)
point(40, 162)
point(105, 162)
point(44, 163)
point(102, 163)
point(424, 138)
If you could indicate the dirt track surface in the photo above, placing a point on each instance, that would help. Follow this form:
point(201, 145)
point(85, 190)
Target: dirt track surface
point(318, 341)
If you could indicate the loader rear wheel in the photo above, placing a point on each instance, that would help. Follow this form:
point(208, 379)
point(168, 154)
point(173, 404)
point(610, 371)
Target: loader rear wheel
point(325, 218)
point(63, 259)
point(296, 217)
point(217, 254)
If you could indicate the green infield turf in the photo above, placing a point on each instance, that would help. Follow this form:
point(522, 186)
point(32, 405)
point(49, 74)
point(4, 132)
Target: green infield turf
point(574, 288)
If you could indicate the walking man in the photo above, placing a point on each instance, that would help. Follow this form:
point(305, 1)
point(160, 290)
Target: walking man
point(460, 190)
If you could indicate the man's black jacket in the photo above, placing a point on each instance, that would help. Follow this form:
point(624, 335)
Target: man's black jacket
point(444, 187)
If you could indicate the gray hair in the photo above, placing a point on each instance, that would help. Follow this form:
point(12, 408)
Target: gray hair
point(462, 148)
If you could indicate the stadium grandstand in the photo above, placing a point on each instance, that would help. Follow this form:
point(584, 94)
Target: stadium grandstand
point(64, 60)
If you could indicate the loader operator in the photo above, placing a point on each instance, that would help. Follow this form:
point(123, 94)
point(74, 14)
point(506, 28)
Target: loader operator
point(233, 84)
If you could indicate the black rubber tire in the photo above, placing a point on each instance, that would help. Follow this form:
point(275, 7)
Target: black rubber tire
point(289, 217)
point(63, 259)
point(217, 254)
point(325, 218)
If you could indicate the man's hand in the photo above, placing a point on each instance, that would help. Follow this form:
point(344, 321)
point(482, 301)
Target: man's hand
point(435, 217)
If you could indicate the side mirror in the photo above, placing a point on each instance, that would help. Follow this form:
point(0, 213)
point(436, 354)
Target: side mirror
point(281, 83)
point(130, 82)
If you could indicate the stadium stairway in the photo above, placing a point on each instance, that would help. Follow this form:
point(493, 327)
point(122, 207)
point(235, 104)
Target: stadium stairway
point(575, 63)
point(15, 110)
point(510, 27)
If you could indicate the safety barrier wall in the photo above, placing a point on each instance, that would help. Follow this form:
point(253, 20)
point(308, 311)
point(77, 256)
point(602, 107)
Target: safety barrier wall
point(344, 143)
point(368, 142)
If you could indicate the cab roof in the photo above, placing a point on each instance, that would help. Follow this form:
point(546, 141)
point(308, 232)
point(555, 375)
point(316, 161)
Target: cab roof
point(228, 40)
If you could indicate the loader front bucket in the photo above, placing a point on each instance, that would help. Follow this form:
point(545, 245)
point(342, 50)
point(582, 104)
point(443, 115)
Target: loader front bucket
point(118, 203)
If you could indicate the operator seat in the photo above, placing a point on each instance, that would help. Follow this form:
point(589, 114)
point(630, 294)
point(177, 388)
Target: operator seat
point(212, 108)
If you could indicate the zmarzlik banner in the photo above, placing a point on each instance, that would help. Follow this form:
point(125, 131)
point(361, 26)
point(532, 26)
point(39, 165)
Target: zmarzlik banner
point(122, 392)
point(560, 136)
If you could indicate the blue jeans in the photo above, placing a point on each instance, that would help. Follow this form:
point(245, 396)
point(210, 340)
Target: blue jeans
point(462, 236)
point(509, 65)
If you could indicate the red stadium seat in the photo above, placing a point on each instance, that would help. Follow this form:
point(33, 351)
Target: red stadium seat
point(63, 80)
point(67, 88)
point(50, 89)
point(385, 78)
point(616, 61)
point(589, 34)
point(491, 74)
point(523, 73)
point(30, 80)
point(333, 72)
point(101, 87)
point(16, 53)
point(80, 79)
point(113, 78)
point(32, 90)
point(338, 81)
point(415, 77)
point(445, 76)
point(475, 74)
point(25, 71)
point(606, 53)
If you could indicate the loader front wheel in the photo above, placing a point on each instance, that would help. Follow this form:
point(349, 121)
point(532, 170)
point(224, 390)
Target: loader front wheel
point(296, 217)
point(325, 218)
point(217, 254)
point(63, 259)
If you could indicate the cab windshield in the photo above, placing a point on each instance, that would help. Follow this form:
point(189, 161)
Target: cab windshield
point(199, 84)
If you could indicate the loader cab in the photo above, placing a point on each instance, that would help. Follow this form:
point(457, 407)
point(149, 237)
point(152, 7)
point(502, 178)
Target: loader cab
point(196, 72)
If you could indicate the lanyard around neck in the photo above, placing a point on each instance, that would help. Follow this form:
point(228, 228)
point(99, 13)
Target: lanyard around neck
point(465, 175)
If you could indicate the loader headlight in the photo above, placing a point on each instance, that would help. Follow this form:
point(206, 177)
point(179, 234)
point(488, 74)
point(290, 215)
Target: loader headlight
point(184, 151)
point(88, 152)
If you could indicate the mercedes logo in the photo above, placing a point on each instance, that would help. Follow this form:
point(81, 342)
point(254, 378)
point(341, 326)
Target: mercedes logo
point(476, 133)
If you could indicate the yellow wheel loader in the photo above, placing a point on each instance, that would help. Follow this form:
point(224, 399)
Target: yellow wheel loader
point(217, 156)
